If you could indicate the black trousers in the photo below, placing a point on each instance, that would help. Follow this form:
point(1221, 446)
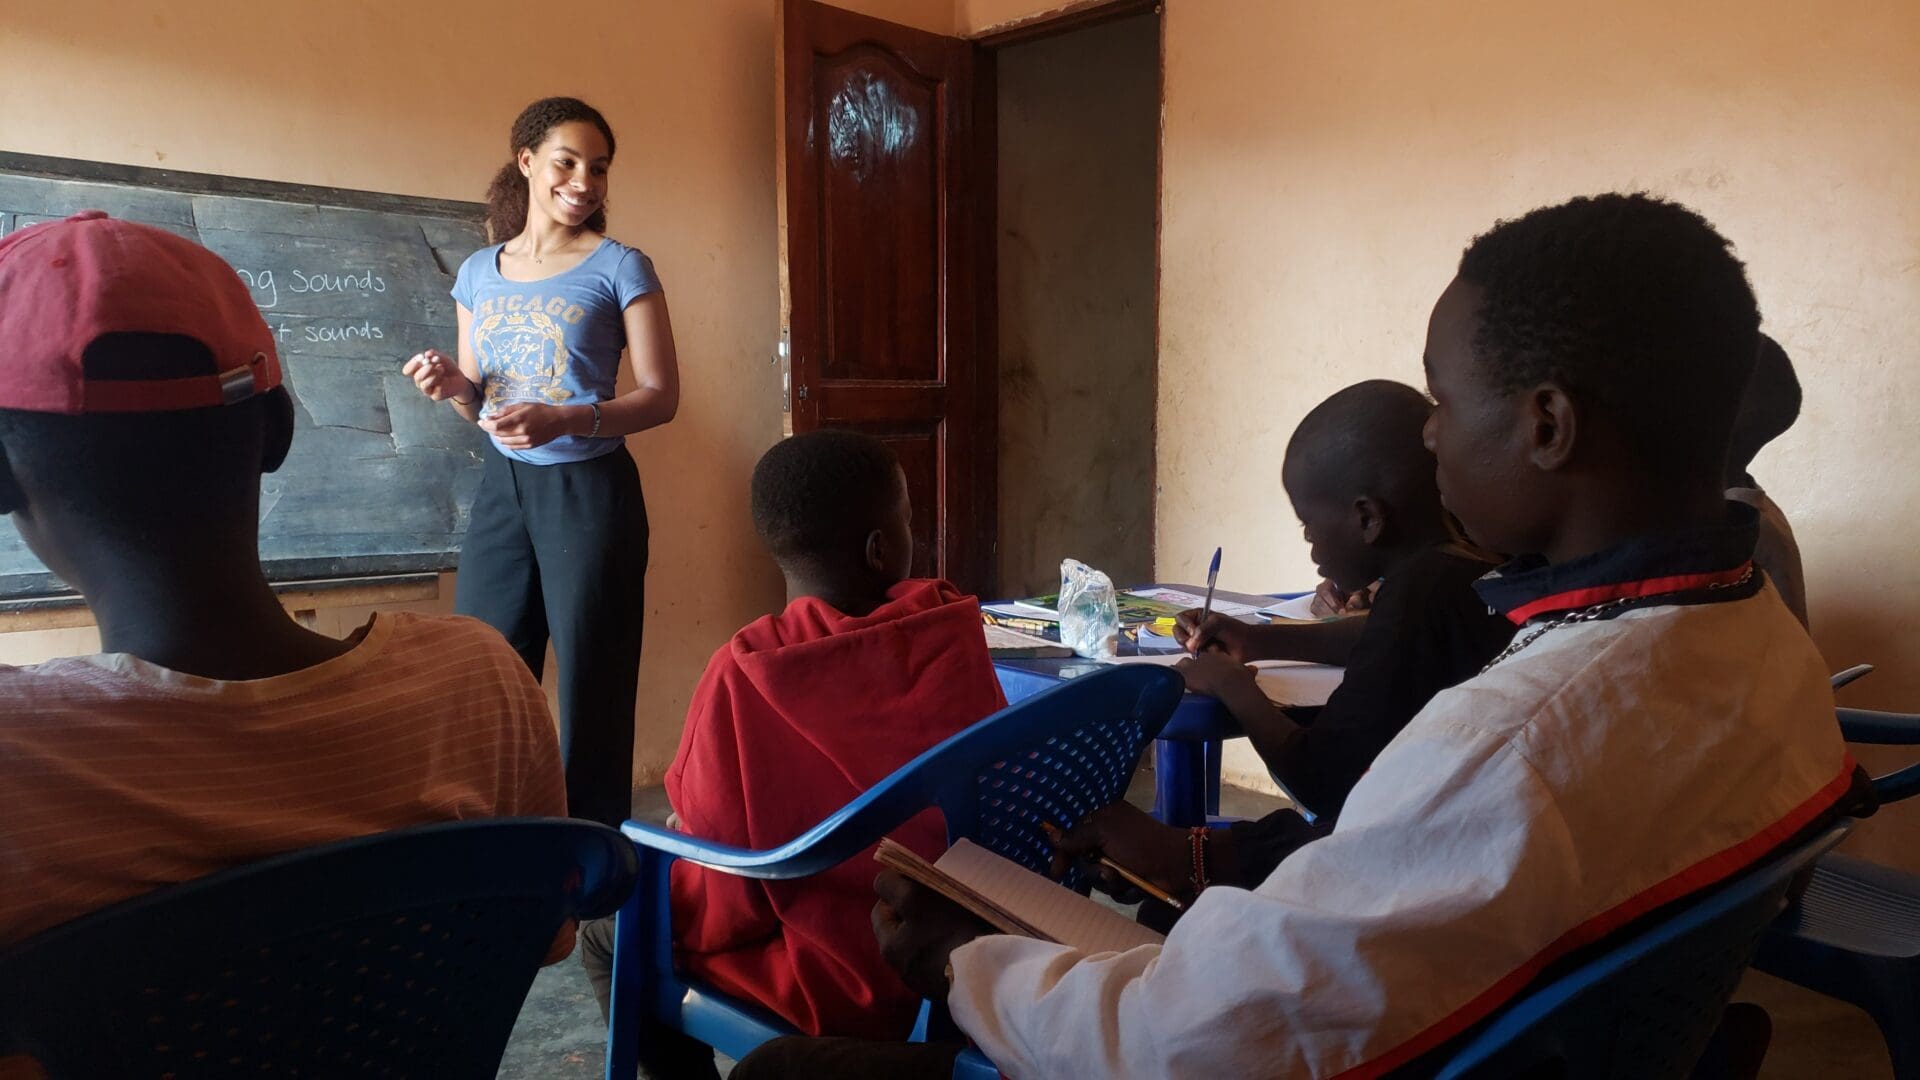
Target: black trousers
point(560, 552)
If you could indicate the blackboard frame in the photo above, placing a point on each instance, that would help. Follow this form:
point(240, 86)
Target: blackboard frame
point(192, 183)
point(30, 587)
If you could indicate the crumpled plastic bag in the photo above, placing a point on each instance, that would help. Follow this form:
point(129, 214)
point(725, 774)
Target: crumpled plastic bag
point(1089, 613)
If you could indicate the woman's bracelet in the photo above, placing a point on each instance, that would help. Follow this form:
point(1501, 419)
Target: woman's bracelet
point(476, 394)
point(595, 433)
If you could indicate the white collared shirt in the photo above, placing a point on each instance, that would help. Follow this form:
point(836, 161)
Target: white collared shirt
point(1602, 771)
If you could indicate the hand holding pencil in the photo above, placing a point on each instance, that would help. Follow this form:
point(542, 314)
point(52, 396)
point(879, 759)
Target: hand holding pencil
point(1132, 851)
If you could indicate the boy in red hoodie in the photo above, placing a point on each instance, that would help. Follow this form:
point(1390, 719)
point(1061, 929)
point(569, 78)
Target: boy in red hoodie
point(799, 714)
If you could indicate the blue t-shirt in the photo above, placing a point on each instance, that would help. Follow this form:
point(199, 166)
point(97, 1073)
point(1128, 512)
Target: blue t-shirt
point(556, 341)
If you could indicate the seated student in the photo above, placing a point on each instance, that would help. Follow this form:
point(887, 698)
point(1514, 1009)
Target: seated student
point(1580, 361)
point(140, 401)
point(799, 714)
point(1361, 480)
point(1768, 407)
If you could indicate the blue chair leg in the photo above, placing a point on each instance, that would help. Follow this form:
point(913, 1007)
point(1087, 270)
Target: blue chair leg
point(1211, 751)
point(629, 990)
point(1180, 782)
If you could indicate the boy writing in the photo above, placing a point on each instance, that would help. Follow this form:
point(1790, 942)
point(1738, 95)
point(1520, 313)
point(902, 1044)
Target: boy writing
point(798, 715)
point(140, 401)
point(1361, 481)
point(1581, 362)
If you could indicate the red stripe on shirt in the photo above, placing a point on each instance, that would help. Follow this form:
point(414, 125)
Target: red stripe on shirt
point(1700, 875)
point(1600, 594)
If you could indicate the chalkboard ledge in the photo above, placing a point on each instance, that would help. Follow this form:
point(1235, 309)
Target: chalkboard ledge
point(302, 598)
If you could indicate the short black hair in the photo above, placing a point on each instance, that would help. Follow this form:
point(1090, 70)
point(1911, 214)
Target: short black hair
point(818, 495)
point(155, 473)
point(1367, 440)
point(1768, 407)
point(1633, 304)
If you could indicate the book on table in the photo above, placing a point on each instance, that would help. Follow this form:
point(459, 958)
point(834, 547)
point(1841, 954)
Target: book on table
point(1015, 900)
point(1005, 643)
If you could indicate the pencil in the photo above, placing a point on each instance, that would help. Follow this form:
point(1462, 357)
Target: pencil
point(1142, 884)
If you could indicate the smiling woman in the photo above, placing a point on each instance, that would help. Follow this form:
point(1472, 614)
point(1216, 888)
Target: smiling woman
point(557, 541)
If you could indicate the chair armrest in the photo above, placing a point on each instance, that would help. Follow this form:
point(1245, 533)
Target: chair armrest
point(1885, 729)
point(1897, 785)
point(803, 856)
point(1841, 679)
point(1879, 728)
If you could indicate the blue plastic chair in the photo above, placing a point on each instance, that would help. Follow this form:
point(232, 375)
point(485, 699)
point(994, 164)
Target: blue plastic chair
point(1645, 1008)
point(1855, 935)
point(403, 954)
point(1053, 757)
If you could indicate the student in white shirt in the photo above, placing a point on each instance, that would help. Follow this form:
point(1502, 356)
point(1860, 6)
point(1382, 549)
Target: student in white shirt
point(1652, 731)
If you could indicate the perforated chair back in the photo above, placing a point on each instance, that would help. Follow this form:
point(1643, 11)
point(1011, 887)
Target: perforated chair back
point(1058, 780)
point(1645, 1008)
point(404, 954)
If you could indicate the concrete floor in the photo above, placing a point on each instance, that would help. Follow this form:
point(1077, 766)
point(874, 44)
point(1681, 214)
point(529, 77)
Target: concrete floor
point(560, 1034)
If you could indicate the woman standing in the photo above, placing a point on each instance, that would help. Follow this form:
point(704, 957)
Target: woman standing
point(557, 542)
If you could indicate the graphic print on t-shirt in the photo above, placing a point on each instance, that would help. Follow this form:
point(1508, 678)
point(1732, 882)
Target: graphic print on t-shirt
point(521, 345)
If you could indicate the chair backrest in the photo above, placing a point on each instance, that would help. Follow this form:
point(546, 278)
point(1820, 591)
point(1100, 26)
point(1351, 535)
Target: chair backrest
point(403, 954)
point(1066, 775)
point(1643, 1009)
point(1037, 743)
point(1055, 756)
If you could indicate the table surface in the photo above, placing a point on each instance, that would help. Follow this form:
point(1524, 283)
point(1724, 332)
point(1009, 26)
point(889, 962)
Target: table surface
point(1199, 718)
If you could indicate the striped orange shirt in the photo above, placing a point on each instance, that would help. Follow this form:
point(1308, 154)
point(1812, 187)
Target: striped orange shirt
point(120, 776)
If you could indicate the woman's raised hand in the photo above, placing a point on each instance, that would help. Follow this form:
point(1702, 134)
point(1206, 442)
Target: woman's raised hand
point(438, 376)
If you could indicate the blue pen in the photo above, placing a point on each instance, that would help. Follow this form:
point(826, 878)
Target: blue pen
point(1213, 575)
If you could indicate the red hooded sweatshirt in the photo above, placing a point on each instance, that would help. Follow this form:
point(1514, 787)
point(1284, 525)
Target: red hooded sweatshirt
point(795, 717)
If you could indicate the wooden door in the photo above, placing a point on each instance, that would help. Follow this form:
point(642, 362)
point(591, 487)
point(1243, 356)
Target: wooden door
point(886, 218)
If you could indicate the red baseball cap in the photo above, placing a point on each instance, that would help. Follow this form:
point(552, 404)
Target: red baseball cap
point(66, 285)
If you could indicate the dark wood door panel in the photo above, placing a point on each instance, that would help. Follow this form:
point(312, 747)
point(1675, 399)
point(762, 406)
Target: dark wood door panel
point(886, 213)
point(880, 199)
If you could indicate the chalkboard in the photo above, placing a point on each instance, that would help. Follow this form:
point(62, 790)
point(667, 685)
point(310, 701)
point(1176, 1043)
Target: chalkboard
point(380, 479)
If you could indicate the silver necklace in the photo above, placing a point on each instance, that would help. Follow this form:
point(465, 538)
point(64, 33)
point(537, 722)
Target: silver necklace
point(1595, 611)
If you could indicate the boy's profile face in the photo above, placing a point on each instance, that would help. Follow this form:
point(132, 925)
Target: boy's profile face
point(1334, 533)
point(1478, 434)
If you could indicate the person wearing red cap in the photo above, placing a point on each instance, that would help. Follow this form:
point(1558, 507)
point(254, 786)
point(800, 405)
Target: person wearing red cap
point(556, 545)
point(141, 399)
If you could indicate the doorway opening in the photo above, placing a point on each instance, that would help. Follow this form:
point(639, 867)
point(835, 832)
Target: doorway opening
point(1076, 250)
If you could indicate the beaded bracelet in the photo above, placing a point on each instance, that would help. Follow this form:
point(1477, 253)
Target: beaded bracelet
point(1197, 842)
point(595, 433)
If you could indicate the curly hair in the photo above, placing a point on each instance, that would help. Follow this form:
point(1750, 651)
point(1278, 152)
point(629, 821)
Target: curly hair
point(507, 195)
point(1634, 304)
point(816, 496)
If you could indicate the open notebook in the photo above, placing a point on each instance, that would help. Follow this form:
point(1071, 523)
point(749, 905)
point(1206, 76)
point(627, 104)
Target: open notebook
point(1016, 900)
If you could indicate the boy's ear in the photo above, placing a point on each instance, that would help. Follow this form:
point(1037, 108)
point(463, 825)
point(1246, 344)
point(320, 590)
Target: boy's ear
point(277, 421)
point(876, 553)
point(1370, 514)
point(1554, 427)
